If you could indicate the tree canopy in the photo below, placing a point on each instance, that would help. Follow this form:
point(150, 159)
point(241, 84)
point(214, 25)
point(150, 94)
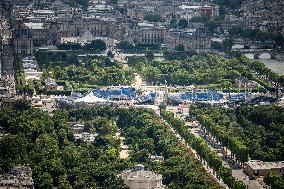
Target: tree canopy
point(183, 23)
point(258, 129)
point(214, 71)
point(91, 71)
point(97, 44)
point(152, 18)
point(47, 144)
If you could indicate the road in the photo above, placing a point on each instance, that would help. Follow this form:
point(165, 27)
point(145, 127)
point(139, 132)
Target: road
point(237, 173)
point(160, 99)
point(124, 151)
point(193, 152)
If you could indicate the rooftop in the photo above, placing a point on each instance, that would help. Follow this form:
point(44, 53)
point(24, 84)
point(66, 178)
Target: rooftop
point(139, 174)
point(18, 177)
point(257, 164)
point(32, 25)
point(43, 11)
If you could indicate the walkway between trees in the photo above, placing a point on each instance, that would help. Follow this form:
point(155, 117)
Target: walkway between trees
point(193, 152)
point(237, 173)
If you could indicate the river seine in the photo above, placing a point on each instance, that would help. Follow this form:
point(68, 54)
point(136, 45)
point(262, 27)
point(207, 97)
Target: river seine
point(275, 65)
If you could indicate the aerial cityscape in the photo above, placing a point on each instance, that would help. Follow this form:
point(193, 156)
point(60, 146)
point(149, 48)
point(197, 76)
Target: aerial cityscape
point(141, 94)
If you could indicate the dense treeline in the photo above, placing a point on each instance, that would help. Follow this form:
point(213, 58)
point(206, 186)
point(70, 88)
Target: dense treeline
point(232, 4)
point(203, 150)
point(274, 181)
point(206, 69)
point(129, 47)
point(22, 86)
point(83, 3)
point(146, 134)
point(152, 17)
point(254, 131)
point(79, 74)
point(46, 143)
point(19, 74)
point(201, 70)
point(262, 74)
point(256, 35)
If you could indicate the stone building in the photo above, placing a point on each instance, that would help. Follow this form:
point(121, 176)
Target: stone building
point(31, 35)
point(211, 11)
point(190, 41)
point(147, 33)
point(142, 179)
point(78, 25)
point(23, 40)
point(40, 34)
point(18, 177)
point(259, 168)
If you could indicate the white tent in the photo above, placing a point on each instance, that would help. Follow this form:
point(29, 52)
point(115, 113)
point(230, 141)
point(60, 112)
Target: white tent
point(90, 98)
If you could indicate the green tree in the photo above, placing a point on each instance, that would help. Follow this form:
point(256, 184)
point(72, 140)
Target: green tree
point(183, 23)
point(179, 47)
point(64, 183)
point(13, 150)
point(97, 44)
point(124, 45)
point(227, 44)
point(173, 23)
point(274, 181)
point(22, 104)
point(44, 180)
point(210, 25)
point(232, 4)
point(202, 19)
point(217, 45)
point(110, 54)
point(74, 3)
point(152, 17)
point(114, 1)
point(239, 185)
point(150, 56)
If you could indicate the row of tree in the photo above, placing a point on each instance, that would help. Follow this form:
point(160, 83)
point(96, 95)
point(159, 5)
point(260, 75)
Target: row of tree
point(254, 131)
point(24, 87)
point(203, 150)
point(19, 75)
point(263, 74)
point(90, 71)
point(198, 69)
point(187, 68)
point(255, 35)
point(97, 45)
point(146, 134)
point(129, 47)
point(237, 147)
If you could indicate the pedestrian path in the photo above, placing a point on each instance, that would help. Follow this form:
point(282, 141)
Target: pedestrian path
point(237, 173)
point(195, 155)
